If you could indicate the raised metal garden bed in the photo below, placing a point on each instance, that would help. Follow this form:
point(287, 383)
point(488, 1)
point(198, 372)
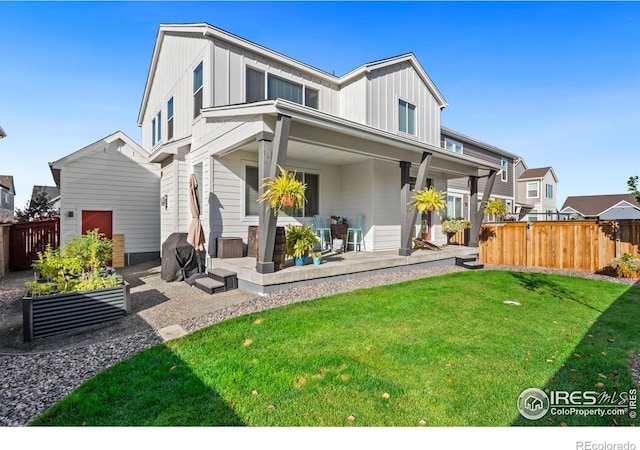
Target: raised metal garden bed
point(49, 315)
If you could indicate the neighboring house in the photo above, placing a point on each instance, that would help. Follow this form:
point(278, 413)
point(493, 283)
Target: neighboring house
point(603, 207)
point(227, 110)
point(53, 194)
point(110, 185)
point(536, 192)
point(458, 191)
point(7, 195)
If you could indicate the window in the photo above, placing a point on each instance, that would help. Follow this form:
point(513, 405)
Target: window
point(550, 213)
point(158, 124)
point(170, 119)
point(549, 191)
point(509, 204)
point(197, 90)
point(153, 132)
point(251, 205)
point(311, 97)
point(406, 117)
point(280, 88)
point(197, 172)
point(254, 85)
point(532, 190)
point(453, 146)
point(505, 166)
point(454, 207)
point(533, 215)
point(311, 207)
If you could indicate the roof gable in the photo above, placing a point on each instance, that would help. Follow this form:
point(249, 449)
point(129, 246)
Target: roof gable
point(56, 166)
point(595, 205)
point(6, 181)
point(537, 174)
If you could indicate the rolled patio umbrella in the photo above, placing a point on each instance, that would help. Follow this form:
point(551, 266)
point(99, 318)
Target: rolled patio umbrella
point(195, 236)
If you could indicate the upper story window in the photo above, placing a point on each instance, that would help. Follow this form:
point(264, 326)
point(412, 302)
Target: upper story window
point(255, 85)
point(453, 146)
point(406, 117)
point(153, 132)
point(311, 97)
point(277, 87)
point(532, 189)
point(549, 190)
point(281, 88)
point(197, 90)
point(505, 166)
point(159, 126)
point(170, 119)
point(156, 129)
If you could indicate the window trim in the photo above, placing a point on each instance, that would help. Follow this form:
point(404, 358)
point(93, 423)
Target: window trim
point(199, 90)
point(547, 186)
point(504, 175)
point(415, 117)
point(452, 141)
point(537, 184)
point(170, 119)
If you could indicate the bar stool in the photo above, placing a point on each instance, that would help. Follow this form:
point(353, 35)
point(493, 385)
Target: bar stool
point(357, 234)
point(322, 231)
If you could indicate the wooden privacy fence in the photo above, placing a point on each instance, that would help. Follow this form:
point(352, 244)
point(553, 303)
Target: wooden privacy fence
point(576, 245)
point(27, 239)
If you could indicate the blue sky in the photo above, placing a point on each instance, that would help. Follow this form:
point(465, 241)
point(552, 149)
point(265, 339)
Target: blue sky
point(557, 83)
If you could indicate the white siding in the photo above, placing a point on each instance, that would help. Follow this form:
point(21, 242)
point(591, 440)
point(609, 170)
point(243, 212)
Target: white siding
point(357, 197)
point(114, 179)
point(400, 81)
point(179, 56)
point(353, 100)
point(387, 207)
point(167, 213)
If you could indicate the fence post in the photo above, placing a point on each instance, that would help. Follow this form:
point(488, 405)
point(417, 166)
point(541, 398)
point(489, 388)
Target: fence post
point(529, 246)
point(618, 240)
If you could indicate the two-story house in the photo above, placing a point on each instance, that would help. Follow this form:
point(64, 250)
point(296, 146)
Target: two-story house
point(458, 189)
point(536, 192)
point(7, 194)
point(229, 111)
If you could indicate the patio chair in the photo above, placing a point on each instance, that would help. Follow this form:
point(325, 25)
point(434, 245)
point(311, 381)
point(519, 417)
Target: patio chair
point(322, 232)
point(421, 243)
point(357, 235)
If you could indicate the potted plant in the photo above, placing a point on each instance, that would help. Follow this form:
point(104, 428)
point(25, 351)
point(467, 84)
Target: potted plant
point(317, 258)
point(73, 288)
point(626, 266)
point(423, 230)
point(284, 192)
point(428, 199)
point(300, 241)
point(453, 226)
point(496, 207)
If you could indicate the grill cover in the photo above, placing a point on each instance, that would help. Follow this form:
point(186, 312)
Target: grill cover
point(179, 258)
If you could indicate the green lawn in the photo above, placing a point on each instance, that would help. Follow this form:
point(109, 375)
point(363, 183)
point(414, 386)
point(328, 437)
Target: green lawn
point(445, 350)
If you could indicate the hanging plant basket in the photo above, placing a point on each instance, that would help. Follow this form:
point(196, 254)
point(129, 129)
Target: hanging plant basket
point(428, 200)
point(284, 192)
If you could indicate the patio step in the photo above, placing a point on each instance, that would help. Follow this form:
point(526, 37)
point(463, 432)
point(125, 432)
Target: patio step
point(469, 262)
point(228, 278)
point(209, 285)
point(193, 278)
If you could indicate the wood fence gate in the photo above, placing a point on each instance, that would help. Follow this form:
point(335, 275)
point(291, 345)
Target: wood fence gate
point(27, 239)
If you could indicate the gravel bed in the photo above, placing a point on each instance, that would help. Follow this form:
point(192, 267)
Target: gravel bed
point(31, 383)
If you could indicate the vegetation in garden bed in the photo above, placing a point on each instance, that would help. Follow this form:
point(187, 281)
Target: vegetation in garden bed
point(441, 351)
point(77, 266)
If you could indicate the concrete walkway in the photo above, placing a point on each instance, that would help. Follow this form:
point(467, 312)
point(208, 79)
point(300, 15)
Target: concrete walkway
point(155, 305)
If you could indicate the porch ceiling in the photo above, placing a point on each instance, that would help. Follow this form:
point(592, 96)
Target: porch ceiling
point(323, 138)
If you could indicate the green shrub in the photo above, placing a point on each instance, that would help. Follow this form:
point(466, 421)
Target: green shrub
point(455, 225)
point(626, 266)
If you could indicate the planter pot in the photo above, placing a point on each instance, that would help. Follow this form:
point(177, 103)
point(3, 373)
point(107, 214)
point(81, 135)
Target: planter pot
point(49, 315)
point(317, 261)
point(300, 261)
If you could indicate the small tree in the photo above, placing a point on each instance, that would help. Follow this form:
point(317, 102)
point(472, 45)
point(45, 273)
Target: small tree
point(633, 187)
point(39, 207)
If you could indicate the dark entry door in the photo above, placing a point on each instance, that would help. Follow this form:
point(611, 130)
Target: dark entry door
point(102, 220)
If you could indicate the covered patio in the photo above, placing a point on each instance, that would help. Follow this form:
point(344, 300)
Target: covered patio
point(336, 267)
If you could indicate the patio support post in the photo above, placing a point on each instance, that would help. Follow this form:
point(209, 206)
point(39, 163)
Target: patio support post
point(270, 156)
point(477, 209)
point(409, 215)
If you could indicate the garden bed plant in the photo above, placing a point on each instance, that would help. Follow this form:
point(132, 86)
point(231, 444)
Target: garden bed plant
point(627, 266)
point(78, 266)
